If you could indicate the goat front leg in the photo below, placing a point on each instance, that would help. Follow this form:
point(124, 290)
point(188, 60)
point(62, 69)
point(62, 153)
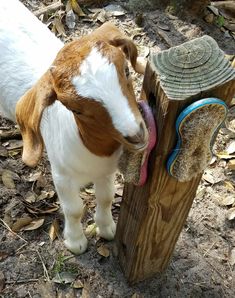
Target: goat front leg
point(72, 205)
point(104, 191)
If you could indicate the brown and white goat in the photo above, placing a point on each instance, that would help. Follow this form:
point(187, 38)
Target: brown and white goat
point(81, 106)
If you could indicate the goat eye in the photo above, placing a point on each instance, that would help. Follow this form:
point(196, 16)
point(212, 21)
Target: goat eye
point(127, 72)
point(76, 112)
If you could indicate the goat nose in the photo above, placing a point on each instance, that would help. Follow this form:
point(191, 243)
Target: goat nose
point(139, 137)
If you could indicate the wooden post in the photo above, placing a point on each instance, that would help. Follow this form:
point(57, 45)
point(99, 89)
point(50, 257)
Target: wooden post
point(152, 216)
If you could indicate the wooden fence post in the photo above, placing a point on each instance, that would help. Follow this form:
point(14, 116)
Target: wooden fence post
point(152, 217)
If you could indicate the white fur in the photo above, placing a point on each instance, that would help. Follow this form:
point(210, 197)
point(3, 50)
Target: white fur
point(27, 49)
point(98, 80)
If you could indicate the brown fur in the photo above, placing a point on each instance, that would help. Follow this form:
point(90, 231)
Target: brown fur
point(93, 118)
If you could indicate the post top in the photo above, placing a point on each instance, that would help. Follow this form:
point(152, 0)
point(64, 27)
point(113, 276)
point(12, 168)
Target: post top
point(193, 67)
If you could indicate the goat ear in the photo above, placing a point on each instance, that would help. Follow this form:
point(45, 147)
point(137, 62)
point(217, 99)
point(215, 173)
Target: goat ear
point(130, 50)
point(29, 111)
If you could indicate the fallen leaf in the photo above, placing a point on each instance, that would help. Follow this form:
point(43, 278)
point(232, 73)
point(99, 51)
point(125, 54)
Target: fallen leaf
point(225, 155)
point(76, 8)
point(209, 18)
point(102, 16)
point(30, 197)
point(3, 151)
point(163, 26)
point(231, 213)
point(208, 178)
point(8, 218)
point(90, 191)
point(15, 144)
point(59, 26)
point(232, 257)
point(64, 277)
point(103, 251)
point(46, 195)
point(115, 10)
point(231, 164)
point(3, 255)
point(231, 148)
point(70, 19)
point(85, 292)
point(41, 182)
point(54, 230)
point(34, 225)
point(34, 177)
point(7, 179)
point(2, 281)
point(227, 200)
point(228, 185)
point(78, 284)
point(21, 223)
point(91, 230)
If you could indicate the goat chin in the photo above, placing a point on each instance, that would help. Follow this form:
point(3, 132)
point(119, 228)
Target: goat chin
point(27, 50)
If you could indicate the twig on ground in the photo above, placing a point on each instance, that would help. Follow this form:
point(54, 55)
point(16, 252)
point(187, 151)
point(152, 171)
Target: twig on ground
point(48, 9)
point(21, 281)
point(44, 266)
point(10, 230)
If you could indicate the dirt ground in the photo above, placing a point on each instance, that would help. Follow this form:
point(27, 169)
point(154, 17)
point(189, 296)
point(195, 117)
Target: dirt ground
point(33, 259)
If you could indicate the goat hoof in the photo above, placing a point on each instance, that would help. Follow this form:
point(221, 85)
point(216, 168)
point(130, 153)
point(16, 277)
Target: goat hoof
point(77, 246)
point(107, 232)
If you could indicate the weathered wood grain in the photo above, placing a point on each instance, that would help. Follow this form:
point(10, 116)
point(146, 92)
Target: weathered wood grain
point(153, 216)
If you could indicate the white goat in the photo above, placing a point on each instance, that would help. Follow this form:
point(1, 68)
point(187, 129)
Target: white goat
point(80, 105)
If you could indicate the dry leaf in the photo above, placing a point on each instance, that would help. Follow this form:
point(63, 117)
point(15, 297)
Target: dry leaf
point(102, 16)
point(231, 213)
point(231, 148)
point(231, 164)
point(54, 230)
point(7, 179)
point(41, 182)
point(3, 255)
point(115, 10)
point(78, 284)
point(34, 225)
point(8, 218)
point(64, 277)
point(21, 223)
point(225, 155)
point(59, 26)
point(208, 178)
point(226, 201)
point(228, 185)
point(70, 19)
point(91, 230)
point(30, 197)
point(232, 257)
point(76, 8)
point(15, 144)
point(2, 281)
point(46, 195)
point(85, 292)
point(103, 251)
point(3, 151)
point(34, 177)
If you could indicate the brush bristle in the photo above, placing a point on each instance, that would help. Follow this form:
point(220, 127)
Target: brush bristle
point(197, 133)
